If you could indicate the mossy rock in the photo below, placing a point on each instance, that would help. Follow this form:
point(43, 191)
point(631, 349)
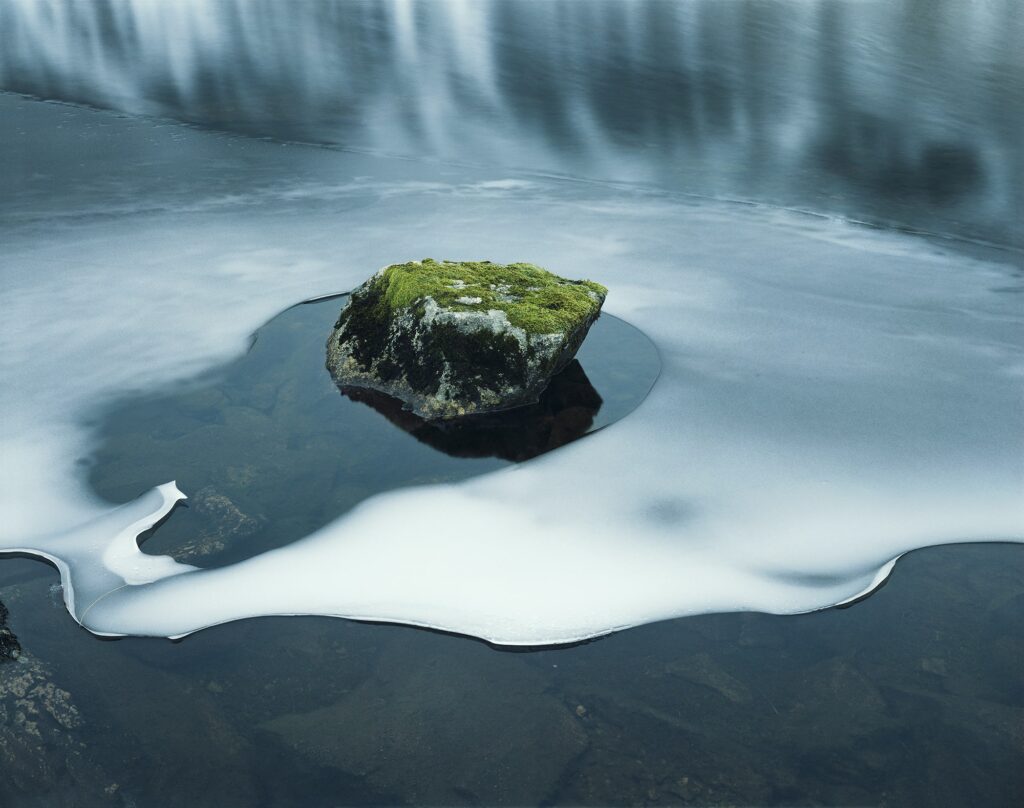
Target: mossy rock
point(457, 338)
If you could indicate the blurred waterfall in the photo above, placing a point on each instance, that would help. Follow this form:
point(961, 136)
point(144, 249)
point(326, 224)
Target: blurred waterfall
point(904, 112)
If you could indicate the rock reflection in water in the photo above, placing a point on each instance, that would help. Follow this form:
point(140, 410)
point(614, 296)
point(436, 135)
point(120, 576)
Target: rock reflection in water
point(565, 412)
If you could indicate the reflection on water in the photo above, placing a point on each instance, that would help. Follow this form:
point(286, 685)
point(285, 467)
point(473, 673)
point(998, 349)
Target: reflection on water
point(906, 112)
point(270, 452)
point(565, 412)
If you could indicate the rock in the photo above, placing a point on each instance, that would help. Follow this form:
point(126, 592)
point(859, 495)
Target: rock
point(450, 339)
point(431, 729)
point(43, 754)
point(701, 669)
point(222, 523)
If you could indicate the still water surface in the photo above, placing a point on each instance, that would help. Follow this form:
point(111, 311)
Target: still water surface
point(905, 114)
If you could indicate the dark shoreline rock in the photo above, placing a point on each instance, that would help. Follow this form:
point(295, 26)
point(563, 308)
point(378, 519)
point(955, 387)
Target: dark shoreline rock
point(10, 648)
point(451, 339)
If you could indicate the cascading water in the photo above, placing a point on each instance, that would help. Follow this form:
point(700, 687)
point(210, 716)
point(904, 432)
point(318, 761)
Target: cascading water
point(848, 108)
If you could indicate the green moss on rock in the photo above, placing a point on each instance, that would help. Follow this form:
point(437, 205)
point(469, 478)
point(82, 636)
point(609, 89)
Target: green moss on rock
point(534, 299)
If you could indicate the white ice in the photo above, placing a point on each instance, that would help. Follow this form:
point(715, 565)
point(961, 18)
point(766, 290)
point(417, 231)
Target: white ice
point(831, 398)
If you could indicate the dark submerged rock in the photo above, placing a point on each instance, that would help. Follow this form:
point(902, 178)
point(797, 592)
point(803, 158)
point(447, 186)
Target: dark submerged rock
point(451, 339)
point(44, 758)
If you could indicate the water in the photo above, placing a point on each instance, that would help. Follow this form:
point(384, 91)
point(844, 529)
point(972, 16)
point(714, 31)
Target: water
point(273, 451)
point(906, 112)
point(831, 397)
point(857, 706)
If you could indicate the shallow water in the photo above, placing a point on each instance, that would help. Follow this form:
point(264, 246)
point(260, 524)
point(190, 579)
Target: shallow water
point(832, 396)
point(874, 704)
point(273, 451)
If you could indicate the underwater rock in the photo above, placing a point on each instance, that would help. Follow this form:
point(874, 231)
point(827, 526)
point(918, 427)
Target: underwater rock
point(41, 739)
point(440, 728)
point(457, 338)
point(564, 412)
point(702, 669)
point(222, 523)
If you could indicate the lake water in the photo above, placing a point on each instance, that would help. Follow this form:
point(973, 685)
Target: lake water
point(810, 209)
point(275, 451)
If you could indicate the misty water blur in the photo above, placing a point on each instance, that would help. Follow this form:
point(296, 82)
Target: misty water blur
point(905, 113)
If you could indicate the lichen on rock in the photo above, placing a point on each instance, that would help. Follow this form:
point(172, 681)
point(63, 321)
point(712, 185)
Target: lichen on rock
point(451, 339)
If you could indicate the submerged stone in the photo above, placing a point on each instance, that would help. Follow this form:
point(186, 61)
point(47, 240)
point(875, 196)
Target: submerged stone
point(450, 338)
point(443, 733)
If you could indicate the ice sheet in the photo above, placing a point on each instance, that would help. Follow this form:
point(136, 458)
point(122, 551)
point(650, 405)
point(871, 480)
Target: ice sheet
point(832, 396)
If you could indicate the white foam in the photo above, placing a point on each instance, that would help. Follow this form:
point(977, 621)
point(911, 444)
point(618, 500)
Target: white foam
point(831, 398)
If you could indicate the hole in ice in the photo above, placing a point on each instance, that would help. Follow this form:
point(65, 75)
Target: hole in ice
point(269, 451)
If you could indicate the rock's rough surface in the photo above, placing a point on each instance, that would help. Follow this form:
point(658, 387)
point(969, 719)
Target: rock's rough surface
point(44, 756)
point(459, 338)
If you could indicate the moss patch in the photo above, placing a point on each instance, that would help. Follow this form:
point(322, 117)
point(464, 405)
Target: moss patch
point(533, 299)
